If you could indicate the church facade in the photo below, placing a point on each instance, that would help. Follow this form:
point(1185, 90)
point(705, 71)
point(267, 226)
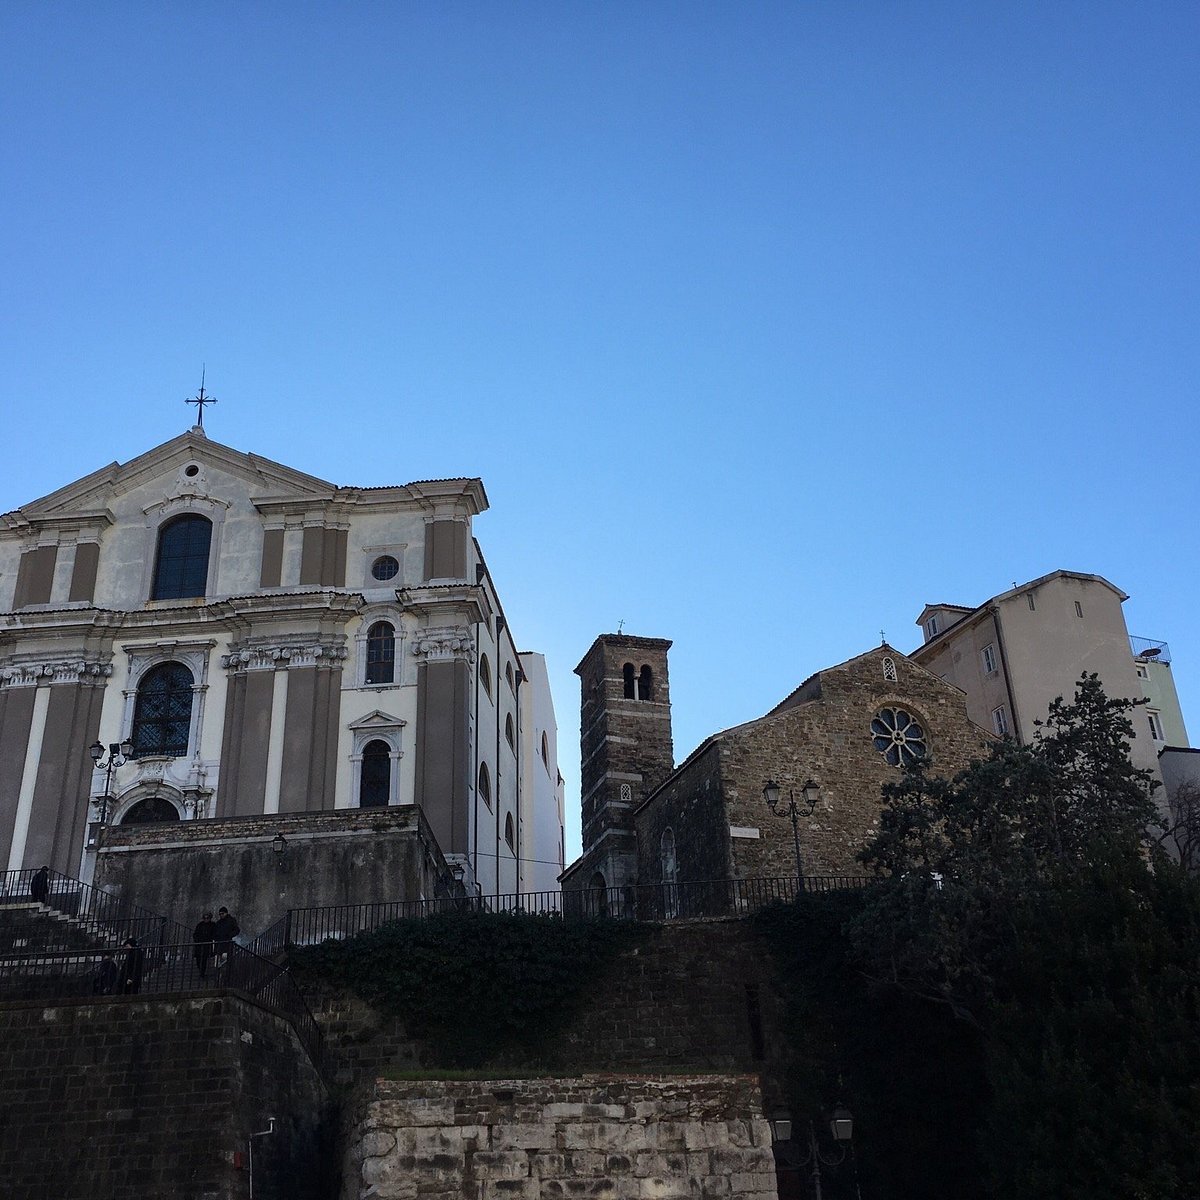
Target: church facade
point(848, 729)
point(265, 642)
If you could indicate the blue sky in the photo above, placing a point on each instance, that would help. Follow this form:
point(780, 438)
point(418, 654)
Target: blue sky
point(764, 324)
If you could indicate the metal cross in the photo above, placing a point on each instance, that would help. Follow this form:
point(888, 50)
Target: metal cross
point(200, 400)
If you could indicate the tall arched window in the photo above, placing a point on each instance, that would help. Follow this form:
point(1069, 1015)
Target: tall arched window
point(375, 780)
point(545, 749)
point(627, 673)
point(181, 568)
point(646, 683)
point(381, 653)
point(485, 673)
point(162, 713)
point(485, 785)
point(509, 837)
point(509, 735)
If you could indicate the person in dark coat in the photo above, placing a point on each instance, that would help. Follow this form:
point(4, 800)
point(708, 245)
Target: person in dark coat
point(104, 983)
point(39, 885)
point(225, 930)
point(130, 982)
point(203, 936)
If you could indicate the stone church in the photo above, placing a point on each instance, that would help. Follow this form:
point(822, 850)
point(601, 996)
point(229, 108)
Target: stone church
point(243, 642)
point(849, 729)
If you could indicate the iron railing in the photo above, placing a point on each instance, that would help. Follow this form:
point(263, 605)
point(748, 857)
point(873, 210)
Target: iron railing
point(1149, 648)
point(160, 970)
point(646, 902)
point(105, 917)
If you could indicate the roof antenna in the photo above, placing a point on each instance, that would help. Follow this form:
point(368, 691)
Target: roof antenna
point(200, 400)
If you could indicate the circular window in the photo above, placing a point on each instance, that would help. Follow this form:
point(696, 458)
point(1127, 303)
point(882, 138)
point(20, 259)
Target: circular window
point(898, 737)
point(192, 471)
point(385, 567)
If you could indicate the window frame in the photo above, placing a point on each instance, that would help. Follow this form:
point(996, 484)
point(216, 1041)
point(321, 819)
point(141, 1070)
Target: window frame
point(387, 660)
point(162, 532)
point(140, 721)
point(1000, 726)
point(990, 661)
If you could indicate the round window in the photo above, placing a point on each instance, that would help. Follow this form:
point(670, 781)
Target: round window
point(192, 471)
point(898, 737)
point(385, 567)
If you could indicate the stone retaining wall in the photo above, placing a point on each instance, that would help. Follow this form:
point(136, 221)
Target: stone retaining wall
point(600, 1137)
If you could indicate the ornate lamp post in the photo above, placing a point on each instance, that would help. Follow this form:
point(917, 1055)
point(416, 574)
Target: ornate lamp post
point(119, 753)
point(841, 1128)
point(810, 793)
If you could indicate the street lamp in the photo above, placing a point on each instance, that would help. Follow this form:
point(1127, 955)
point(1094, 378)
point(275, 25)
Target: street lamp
point(119, 753)
point(841, 1128)
point(810, 793)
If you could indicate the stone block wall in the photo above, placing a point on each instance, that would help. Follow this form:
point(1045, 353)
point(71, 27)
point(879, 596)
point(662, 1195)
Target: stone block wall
point(121, 1099)
point(602, 1137)
point(351, 856)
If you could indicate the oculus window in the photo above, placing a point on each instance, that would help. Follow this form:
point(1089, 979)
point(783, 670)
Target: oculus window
point(385, 567)
point(898, 737)
point(181, 568)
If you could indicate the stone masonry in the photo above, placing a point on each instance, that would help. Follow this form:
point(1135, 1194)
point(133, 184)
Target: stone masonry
point(599, 1137)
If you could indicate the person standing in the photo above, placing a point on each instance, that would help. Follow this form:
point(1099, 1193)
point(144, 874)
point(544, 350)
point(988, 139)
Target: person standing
point(39, 886)
point(203, 937)
point(130, 982)
point(104, 982)
point(224, 931)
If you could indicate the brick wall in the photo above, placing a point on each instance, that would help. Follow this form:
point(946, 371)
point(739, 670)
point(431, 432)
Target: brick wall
point(116, 1099)
point(608, 1137)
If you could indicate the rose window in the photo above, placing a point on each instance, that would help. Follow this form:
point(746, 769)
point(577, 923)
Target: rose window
point(898, 737)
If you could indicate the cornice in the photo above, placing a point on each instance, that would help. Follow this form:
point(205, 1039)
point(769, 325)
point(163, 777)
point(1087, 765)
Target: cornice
point(466, 601)
point(444, 643)
point(43, 672)
point(285, 654)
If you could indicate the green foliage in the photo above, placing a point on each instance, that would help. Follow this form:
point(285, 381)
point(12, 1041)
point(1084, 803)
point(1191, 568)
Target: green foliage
point(476, 987)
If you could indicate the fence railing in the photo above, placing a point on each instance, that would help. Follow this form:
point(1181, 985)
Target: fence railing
point(645, 902)
point(159, 970)
point(106, 917)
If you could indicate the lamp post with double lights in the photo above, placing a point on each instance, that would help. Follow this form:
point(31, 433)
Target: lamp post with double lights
point(119, 753)
point(789, 1154)
point(810, 793)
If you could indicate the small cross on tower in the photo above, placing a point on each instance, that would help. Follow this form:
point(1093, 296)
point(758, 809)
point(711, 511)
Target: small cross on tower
point(200, 400)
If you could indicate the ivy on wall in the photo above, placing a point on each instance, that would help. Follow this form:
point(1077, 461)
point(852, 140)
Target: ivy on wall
point(477, 988)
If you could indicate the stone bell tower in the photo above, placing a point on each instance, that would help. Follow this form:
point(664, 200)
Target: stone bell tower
point(625, 746)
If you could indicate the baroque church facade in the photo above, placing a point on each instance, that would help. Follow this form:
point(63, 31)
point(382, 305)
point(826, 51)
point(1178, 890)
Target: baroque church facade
point(265, 642)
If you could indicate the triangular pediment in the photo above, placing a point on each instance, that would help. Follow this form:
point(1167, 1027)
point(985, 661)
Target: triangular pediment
point(377, 720)
point(93, 492)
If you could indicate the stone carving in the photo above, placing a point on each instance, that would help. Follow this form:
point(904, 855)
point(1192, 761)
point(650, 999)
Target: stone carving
point(277, 657)
point(449, 643)
point(43, 673)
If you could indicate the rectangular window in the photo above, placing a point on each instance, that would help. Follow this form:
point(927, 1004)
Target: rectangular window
point(1142, 672)
point(1029, 598)
point(1078, 609)
point(1000, 720)
point(1156, 729)
point(989, 659)
point(931, 627)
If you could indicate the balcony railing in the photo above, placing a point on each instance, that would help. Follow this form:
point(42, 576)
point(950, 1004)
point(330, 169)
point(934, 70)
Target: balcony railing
point(647, 902)
point(1148, 648)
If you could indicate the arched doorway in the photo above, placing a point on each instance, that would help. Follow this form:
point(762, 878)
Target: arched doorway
point(151, 811)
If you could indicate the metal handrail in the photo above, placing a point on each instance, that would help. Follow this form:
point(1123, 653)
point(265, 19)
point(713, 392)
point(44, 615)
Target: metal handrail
point(160, 970)
point(645, 902)
point(106, 917)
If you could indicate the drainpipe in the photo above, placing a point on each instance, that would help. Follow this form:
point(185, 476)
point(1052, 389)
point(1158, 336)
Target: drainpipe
point(517, 794)
point(496, 790)
point(270, 1129)
point(475, 777)
point(1012, 704)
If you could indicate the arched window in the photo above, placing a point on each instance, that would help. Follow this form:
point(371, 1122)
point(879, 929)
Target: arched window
point(509, 736)
point(646, 683)
point(162, 713)
point(509, 839)
point(670, 873)
point(375, 780)
point(508, 675)
point(381, 653)
point(485, 785)
point(181, 568)
point(152, 810)
point(630, 682)
point(545, 749)
point(599, 896)
point(485, 673)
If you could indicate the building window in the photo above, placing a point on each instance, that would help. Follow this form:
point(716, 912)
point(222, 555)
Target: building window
point(162, 713)
point(1156, 729)
point(375, 775)
point(1078, 609)
point(989, 659)
point(485, 674)
point(630, 682)
point(508, 675)
point(1000, 721)
point(181, 568)
point(931, 628)
point(545, 750)
point(1142, 672)
point(889, 670)
point(381, 653)
point(1029, 600)
point(385, 567)
point(152, 811)
point(670, 873)
point(645, 683)
point(509, 735)
point(485, 785)
point(898, 737)
point(509, 837)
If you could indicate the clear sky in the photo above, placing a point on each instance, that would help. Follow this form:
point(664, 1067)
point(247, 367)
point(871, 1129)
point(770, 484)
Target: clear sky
point(763, 323)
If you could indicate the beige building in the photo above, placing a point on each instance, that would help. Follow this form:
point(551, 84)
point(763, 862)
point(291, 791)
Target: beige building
point(269, 643)
point(1018, 651)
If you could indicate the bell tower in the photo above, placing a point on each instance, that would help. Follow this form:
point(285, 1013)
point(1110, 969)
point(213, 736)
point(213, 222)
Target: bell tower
point(625, 745)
